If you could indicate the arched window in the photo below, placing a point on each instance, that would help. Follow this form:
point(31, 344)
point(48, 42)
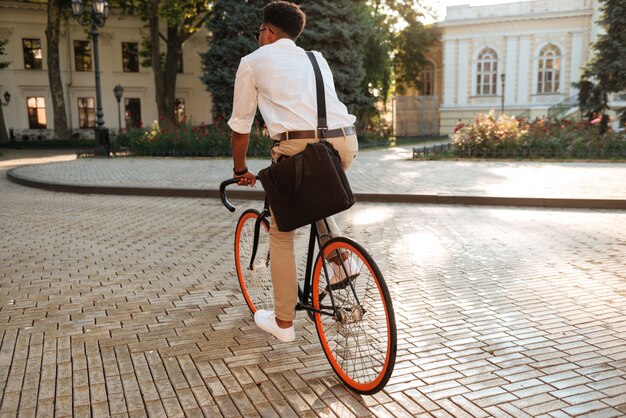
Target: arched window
point(427, 80)
point(487, 73)
point(549, 70)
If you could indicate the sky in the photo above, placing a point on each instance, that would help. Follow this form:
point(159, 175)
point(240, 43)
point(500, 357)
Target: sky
point(440, 5)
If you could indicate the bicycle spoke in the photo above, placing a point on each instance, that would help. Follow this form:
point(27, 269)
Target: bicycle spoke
point(256, 284)
point(360, 339)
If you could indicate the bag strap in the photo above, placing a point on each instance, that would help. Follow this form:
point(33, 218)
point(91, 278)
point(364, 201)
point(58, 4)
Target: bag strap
point(322, 124)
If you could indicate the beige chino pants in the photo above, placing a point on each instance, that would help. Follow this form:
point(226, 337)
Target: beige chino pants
point(282, 256)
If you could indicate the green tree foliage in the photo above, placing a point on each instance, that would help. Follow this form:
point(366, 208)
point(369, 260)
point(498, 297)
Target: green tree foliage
point(340, 30)
point(606, 72)
point(359, 39)
point(231, 28)
point(180, 19)
point(409, 38)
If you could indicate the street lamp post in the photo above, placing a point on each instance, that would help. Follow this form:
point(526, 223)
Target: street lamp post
point(503, 78)
point(96, 17)
point(118, 91)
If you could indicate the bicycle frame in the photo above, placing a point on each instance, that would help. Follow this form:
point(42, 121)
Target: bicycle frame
point(314, 237)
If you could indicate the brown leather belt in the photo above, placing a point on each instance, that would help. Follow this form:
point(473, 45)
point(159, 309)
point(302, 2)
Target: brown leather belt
point(331, 133)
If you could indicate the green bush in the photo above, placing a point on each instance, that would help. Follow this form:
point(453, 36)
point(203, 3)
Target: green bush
point(213, 140)
point(376, 136)
point(508, 137)
point(190, 140)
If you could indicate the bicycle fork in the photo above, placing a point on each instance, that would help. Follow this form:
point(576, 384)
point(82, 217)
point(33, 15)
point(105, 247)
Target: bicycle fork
point(255, 241)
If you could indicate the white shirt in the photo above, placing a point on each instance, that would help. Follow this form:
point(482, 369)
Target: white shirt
point(279, 78)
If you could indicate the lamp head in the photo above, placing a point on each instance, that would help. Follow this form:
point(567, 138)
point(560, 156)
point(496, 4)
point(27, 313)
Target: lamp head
point(98, 7)
point(77, 7)
point(118, 91)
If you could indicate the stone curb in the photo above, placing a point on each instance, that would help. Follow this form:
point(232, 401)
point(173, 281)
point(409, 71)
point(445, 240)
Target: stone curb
point(438, 199)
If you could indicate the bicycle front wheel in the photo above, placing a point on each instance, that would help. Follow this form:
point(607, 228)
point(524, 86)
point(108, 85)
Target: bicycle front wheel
point(359, 338)
point(254, 275)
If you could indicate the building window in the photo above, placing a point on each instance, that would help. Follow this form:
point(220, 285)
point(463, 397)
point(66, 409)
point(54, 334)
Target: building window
point(132, 113)
point(130, 57)
point(427, 80)
point(179, 110)
point(487, 73)
point(82, 55)
point(549, 73)
point(32, 54)
point(36, 112)
point(86, 112)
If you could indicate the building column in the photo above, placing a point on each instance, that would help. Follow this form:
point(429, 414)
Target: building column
point(510, 89)
point(463, 74)
point(525, 68)
point(576, 61)
point(449, 60)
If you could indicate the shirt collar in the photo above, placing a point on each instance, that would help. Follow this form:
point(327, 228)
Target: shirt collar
point(285, 41)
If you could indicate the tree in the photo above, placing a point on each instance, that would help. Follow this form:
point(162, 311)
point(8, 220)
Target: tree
point(412, 43)
point(182, 19)
point(410, 38)
point(4, 137)
point(231, 30)
point(358, 39)
point(53, 29)
point(606, 72)
point(340, 30)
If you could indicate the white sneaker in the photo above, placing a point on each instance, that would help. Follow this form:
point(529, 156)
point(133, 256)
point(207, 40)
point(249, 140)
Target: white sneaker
point(339, 274)
point(266, 320)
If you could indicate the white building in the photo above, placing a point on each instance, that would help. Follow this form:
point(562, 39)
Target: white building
point(29, 113)
point(538, 46)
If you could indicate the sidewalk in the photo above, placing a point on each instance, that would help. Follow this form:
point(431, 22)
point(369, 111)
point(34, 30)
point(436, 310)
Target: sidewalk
point(387, 175)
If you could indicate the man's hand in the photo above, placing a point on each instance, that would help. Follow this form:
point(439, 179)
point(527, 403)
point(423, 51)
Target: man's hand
point(248, 179)
point(239, 146)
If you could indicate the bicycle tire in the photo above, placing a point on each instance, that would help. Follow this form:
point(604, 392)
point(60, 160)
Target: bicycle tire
point(360, 344)
point(256, 284)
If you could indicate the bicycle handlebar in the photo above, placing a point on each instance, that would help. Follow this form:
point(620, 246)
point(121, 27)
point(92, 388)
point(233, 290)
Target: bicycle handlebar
point(225, 200)
point(223, 187)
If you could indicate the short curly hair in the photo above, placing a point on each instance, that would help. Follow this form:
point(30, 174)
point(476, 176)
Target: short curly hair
point(286, 16)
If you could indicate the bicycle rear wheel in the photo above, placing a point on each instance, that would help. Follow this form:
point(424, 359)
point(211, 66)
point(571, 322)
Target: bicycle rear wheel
point(255, 280)
point(360, 338)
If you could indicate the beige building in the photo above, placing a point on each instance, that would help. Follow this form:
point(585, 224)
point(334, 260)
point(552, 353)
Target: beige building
point(524, 55)
point(29, 113)
point(415, 112)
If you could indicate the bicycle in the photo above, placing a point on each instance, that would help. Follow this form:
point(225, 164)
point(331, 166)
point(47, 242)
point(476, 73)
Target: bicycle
point(353, 314)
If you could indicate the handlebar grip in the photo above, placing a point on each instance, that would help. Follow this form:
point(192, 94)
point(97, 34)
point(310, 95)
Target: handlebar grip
point(225, 201)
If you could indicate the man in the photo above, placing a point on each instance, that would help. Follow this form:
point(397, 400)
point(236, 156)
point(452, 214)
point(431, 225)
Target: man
point(279, 79)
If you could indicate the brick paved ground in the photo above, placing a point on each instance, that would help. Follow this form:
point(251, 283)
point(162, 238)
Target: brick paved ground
point(128, 306)
point(380, 171)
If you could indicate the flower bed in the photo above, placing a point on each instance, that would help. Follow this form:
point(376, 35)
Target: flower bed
point(508, 137)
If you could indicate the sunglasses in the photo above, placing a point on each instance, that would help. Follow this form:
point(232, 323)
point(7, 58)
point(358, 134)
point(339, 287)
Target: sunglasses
point(257, 33)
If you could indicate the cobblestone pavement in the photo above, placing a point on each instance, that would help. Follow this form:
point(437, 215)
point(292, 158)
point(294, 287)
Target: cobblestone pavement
point(374, 171)
point(129, 306)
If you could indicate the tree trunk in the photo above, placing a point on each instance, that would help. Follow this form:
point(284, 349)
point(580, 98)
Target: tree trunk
point(4, 136)
point(157, 70)
point(172, 58)
point(53, 30)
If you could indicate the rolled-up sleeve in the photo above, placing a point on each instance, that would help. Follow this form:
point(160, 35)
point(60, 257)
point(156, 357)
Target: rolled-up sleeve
point(244, 100)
